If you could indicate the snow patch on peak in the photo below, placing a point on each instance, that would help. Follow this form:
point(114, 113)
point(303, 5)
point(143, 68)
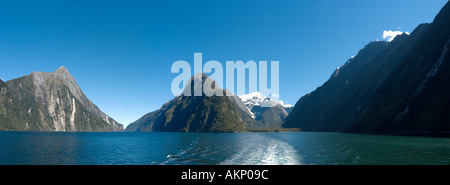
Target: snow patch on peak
point(252, 97)
point(258, 99)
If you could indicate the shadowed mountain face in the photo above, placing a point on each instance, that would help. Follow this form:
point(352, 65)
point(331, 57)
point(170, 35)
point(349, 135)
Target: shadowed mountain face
point(270, 116)
point(195, 113)
point(389, 87)
point(50, 102)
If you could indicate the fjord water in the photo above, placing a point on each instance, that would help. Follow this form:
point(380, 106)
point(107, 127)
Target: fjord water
point(156, 148)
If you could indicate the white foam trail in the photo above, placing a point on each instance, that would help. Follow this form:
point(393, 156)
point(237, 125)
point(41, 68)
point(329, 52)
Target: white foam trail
point(273, 152)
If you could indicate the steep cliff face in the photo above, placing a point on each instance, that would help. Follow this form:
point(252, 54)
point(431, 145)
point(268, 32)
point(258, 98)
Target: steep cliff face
point(389, 87)
point(50, 102)
point(415, 97)
point(3, 90)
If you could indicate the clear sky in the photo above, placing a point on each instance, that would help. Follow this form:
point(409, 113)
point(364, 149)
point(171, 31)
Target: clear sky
point(121, 52)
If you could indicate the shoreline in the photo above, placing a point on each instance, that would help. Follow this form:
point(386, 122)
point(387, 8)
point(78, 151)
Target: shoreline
point(255, 130)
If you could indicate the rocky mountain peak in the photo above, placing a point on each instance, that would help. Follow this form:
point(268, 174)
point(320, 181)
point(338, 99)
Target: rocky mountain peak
point(45, 81)
point(62, 72)
point(62, 69)
point(59, 105)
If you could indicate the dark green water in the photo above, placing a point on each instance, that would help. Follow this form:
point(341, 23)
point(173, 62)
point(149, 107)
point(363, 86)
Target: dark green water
point(208, 148)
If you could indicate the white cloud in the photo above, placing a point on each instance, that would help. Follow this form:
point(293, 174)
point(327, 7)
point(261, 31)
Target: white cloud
point(390, 35)
point(275, 96)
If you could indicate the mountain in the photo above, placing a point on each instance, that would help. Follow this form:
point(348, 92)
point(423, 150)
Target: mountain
point(265, 109)
point(270, 116)
point(398, 87)
point(244, 112)
point(50, 102)
point(195, 113)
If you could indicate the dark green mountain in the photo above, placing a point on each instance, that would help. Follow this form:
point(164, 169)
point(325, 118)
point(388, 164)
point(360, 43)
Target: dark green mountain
point(50, 102)
point(397, 87)
point(195, 114)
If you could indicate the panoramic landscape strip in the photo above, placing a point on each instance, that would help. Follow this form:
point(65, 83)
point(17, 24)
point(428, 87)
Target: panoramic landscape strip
point(233, 91)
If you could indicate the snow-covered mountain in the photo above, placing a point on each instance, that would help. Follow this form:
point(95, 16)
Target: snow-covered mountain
point(257, 98)
point(255, 101)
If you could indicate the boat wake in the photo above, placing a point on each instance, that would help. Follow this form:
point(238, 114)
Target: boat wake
point(270, 152)
point(245, 150)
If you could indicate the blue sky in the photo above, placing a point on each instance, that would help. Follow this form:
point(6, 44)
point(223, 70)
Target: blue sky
point(121, 52)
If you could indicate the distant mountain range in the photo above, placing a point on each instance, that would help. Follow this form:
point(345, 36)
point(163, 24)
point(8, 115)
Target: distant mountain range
point(50, 102)
point(398, 87)
point(53, 101)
